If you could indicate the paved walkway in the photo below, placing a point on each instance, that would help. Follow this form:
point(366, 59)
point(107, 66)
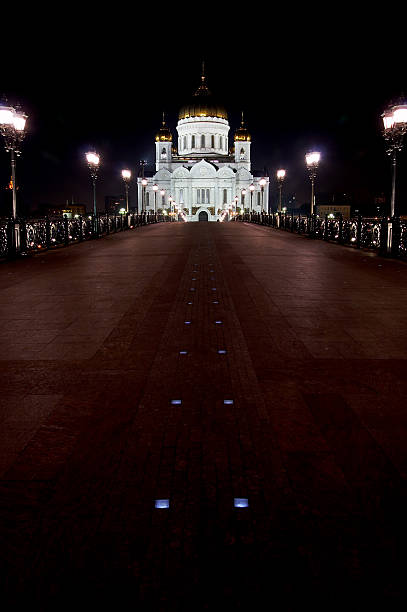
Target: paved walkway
point(288, 357)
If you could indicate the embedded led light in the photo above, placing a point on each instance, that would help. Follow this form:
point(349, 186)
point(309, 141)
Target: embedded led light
point(221, 352)
point(241, 502)
point(176, 402)
point(162, 503)
point(228, 402)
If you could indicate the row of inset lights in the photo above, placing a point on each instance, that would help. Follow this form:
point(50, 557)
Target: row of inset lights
point(238, 502)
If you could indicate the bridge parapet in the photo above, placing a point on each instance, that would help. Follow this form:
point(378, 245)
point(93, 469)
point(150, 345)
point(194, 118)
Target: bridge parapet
point(24, 236)
point(386, 236)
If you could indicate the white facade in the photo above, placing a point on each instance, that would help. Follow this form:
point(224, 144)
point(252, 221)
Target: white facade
point(203, 176)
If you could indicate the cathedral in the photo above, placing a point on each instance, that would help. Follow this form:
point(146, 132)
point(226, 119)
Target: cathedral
point(203, 179)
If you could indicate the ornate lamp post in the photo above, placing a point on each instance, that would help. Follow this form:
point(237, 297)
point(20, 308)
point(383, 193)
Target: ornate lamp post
point(251, 188)
point(244, 191)
point(162, 194)
point(395, 127)
point(93, 160)
point(262, 183)
point(280, 180)
point(143, 194)
point(236, 199)
point(155, 189)
point(312, 160)
point(126, 176)
point(12, 125)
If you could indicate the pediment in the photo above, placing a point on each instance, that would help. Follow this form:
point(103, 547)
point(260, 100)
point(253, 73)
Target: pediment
point(225, 172)
point(162, 175)
point(181, 172)
point(203, 170)
point(244, 175)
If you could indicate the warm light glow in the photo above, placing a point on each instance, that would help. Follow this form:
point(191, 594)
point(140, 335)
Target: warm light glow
point(252, 187)
point(92, 158)
point(262, 182)
point(19, 121)
point(388, 120)
point(155, 187)
point(126, 174)
point(313, 158)
point(144, 182)
point(400, 114)
point(280, 174)
point(162, 192)
point(6, 116)
point(244, 191)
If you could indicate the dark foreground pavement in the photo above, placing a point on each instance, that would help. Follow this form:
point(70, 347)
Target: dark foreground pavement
point(315, 439)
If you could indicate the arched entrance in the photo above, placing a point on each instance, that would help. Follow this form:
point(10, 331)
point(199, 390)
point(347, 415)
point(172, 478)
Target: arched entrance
point(203, 216)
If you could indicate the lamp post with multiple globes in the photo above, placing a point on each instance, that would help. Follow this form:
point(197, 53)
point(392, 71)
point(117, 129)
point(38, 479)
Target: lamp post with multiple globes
point(312, 160)
point(12, 126)
point(143, 194)
point(126, 176)
point(280, 180)
point(262, 183)
point(251, 189)
point(155, 189)
point(93, 161)
point(243, 199)
point(394, 129)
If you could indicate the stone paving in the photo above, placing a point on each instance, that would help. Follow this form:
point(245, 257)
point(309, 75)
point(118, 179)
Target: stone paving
point(287, 358)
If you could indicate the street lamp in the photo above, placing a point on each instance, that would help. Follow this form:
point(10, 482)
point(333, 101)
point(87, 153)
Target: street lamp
point(143, 194)
point(395, 127)
point(251, 188)
point(236, 199)
point(312, 160)
point(155, 189)
point(262, 183)
point(93, 160)
point(126, 176)
point(280, 180)
point(243, 195)
point(12, 126)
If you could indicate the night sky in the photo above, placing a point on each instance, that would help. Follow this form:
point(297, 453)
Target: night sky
point(302, 84)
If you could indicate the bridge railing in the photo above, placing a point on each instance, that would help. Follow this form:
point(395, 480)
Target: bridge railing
point(386, 236)
point(23, 236)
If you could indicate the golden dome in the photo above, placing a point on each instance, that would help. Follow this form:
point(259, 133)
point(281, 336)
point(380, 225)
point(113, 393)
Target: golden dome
point(202, 105)
point(164, 133)
point(242, 132)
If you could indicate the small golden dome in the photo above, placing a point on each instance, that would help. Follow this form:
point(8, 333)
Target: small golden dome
point(164, 133)
point(242, 132)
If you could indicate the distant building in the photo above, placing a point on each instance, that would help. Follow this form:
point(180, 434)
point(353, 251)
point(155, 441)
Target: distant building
point(334, 209)
point(60, 210)
point(334, 204)
point(113, 204)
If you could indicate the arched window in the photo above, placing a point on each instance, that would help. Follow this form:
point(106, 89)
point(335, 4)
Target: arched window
point(213, 142)
point(147, 198)
point(184, 146)
point(207, 196)
point(164, 153)
point(202, 141)
point(181, 196)
point(242, 153)
point(193, 142)
point(225, 196)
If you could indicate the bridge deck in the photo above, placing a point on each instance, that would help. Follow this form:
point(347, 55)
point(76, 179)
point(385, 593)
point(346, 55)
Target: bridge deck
point(316, 344)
